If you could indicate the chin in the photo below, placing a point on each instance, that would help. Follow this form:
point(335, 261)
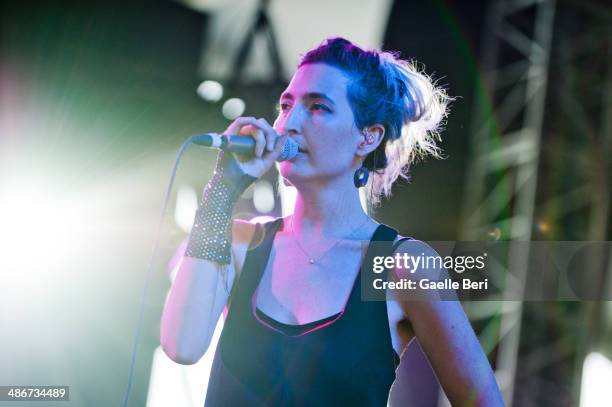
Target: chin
point(288, 168)
point(292, 171)
point(289, 173)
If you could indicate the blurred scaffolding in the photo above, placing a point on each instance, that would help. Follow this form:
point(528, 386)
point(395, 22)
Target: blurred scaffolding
point(541, 146)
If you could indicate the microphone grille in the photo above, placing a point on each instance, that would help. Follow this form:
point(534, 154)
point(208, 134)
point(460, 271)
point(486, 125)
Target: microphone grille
point(290, 150)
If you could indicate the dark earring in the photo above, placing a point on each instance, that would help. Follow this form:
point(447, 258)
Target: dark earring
point(361, 177)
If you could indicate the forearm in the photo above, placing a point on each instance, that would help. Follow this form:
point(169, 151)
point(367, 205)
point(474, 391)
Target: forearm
point(475, 385)
point(456, 354)
point(193, 306)
point(488, 394)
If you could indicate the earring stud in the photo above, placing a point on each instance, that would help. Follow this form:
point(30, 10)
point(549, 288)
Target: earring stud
point(368, 136)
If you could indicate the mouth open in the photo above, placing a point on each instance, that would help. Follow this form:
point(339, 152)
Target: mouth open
point(302, 150)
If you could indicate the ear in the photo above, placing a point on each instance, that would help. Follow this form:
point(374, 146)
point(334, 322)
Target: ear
point(372, 137)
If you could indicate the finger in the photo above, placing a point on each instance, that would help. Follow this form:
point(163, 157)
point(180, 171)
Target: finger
point(269, 132)
point(247, 130)
point(260, 141)
point(239, 123)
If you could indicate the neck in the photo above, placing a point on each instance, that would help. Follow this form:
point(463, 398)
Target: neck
point(331, 211)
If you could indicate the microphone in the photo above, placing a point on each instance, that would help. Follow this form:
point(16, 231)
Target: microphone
point(239, 144)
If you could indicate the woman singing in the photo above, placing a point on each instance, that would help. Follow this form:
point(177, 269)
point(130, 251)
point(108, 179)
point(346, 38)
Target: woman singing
point(297, 332)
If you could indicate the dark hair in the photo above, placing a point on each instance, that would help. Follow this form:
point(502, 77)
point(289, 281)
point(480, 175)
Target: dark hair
point(386, 90)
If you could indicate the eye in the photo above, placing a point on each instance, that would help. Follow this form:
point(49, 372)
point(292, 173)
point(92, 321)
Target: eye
point(283, 107)
point(319, 107)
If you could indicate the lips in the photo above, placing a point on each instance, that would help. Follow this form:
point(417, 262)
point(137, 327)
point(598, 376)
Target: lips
point(302, 150)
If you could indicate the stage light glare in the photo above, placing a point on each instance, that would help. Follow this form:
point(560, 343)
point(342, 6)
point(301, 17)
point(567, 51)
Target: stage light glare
point(495, 233)
point(543, 227)
point(210, 91)
point(40, 228)
point(288, 196)
point(186, 206)
point(263, 196)
point(42, 234)
point(233, 108)
point(596, 379)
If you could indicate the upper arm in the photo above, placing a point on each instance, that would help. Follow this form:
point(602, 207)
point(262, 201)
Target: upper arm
point(447, 337)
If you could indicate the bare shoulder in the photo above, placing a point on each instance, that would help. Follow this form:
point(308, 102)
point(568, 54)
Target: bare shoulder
point(410, 245)
point(422, 271)
point(419, 250)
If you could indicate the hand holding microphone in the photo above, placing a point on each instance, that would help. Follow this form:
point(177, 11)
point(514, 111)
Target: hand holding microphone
point(210, 237)
point(256, 147)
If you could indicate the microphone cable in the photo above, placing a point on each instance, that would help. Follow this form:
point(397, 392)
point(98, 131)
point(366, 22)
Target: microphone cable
point(149, 272)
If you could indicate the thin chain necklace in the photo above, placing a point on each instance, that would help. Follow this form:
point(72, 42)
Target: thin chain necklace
point(311, 259)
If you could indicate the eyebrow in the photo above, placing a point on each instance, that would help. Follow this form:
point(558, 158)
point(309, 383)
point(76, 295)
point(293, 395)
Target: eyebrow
point(310, 95)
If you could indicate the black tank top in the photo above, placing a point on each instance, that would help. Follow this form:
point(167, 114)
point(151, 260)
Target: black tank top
point(346, 359)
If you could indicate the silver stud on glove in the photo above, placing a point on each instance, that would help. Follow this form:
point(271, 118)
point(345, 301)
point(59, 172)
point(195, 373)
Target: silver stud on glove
point(211, 235)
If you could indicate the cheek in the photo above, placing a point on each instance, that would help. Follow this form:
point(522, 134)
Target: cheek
point(335, 155)
point(342, 142)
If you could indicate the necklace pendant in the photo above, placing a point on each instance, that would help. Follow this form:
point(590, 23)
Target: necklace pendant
point(311, 261)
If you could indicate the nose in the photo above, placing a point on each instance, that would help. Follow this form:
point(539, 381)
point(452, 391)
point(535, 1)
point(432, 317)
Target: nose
point(290, 122)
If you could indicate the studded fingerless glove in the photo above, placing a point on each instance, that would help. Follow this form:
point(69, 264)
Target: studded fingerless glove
point(211, 235)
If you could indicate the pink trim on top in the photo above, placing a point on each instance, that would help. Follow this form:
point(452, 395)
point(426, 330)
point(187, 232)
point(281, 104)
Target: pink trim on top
point(254, 312)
